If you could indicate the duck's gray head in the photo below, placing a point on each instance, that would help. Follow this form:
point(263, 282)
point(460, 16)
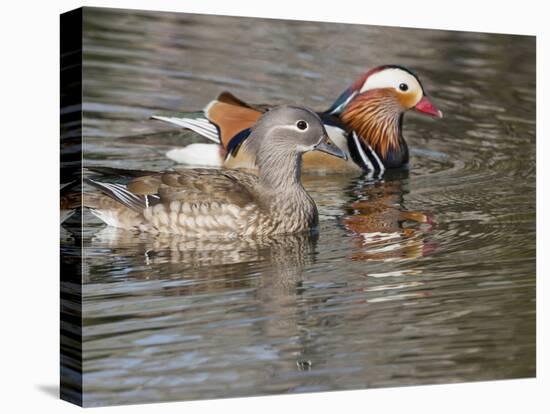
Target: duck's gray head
point(289, 130)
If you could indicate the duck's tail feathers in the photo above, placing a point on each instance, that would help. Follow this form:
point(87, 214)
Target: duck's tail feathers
point(121, 194)
point(196, 122)
point(206, 155)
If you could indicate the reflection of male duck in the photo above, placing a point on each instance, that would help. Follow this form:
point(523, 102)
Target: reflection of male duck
point(382, 228)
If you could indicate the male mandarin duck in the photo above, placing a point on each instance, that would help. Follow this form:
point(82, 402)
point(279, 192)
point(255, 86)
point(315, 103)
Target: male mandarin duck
point(365, 122)
point(219, 202)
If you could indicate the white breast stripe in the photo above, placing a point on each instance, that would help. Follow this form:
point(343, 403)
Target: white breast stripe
point(364, 156)
point(382, 168)
point(338, 136)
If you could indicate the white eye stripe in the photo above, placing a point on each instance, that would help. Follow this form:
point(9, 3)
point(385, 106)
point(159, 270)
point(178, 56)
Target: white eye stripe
point(391, 78)
point(292, 128)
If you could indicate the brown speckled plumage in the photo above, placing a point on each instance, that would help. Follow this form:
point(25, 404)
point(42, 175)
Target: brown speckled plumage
point(210, 203)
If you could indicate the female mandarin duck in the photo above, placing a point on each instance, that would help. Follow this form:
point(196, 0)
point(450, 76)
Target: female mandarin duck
point(220, 202)
point(365, 122)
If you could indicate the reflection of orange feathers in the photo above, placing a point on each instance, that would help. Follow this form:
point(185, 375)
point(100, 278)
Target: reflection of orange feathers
point(377, 216)
point(377, 226)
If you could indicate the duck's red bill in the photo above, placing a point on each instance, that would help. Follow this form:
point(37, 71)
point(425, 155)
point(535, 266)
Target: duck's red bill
point(428, 108)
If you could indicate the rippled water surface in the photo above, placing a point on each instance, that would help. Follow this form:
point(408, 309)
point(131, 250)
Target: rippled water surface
point(427, 276)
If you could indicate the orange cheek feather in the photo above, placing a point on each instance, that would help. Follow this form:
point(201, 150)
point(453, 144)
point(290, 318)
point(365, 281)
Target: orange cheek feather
point(408, 99)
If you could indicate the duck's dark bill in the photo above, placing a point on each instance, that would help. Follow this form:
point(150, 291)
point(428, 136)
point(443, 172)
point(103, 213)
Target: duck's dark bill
point(328, 147)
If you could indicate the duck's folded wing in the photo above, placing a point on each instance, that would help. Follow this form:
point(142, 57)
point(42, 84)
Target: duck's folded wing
point(203, 186)
point(120, 193)
point(136, 189)
point(114, 182)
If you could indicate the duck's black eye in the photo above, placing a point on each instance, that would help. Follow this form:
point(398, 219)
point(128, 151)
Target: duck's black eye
point(404, 87)
point(301, 125)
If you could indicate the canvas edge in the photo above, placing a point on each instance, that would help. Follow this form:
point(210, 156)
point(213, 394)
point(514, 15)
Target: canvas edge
point(71, 378)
